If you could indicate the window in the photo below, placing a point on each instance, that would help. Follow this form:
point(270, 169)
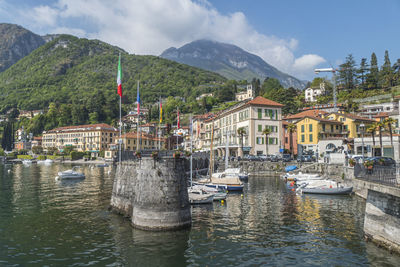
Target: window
point(302, 128)
point(332, 128)
point(259, 113)
point(286, 140)
point(310, 127)
point(311, 138)
point(345, 127)
point(323, 127)
point(260, 128)
point(302, 138)
point(337, 127)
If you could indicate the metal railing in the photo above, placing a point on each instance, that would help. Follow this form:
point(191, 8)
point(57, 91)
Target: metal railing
point(387, 175)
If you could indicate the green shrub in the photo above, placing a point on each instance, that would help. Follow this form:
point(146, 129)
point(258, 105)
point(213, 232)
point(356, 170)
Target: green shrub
point(41, 157)
point(11, 155)
point(75, 155)
point(1, 152)
point(24, 157)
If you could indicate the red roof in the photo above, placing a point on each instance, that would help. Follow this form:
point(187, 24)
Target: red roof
point(87, 127)
point(259, 100)
point(309, 113)
point(381, 115)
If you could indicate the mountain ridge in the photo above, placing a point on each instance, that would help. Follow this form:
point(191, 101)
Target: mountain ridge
point(228, 60)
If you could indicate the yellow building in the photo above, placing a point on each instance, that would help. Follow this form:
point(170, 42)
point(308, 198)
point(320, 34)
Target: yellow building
point(146, 141)
point(312, 129)
point(351, 123)
point(93, 137)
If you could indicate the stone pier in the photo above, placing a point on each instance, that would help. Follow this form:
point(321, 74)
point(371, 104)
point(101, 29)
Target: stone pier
point(382, 219)
point(152, 193)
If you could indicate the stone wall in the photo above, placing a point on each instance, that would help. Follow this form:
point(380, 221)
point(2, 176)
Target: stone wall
point(153, 193)
point(382, 219)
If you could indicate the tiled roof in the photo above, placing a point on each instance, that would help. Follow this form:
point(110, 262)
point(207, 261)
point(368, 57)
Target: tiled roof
point(309, 113)
point(353, 116)
point(381, 114)
point(323, 120)
point(259, 100)
point(82, 128)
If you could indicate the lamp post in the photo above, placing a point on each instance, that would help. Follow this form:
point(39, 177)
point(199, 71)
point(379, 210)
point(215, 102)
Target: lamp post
point(317, 71)
point(362, 129)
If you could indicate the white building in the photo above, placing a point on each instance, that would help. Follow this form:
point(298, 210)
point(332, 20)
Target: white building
point(244, 95)
point(370, 110)
point(253, 116)
point(311, 94)
point(370, 150)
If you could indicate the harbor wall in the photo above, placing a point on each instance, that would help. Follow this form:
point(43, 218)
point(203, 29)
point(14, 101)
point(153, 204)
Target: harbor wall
point(382, 219)
point(153, 193)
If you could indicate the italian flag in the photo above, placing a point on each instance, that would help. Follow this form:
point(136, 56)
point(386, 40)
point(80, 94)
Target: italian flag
point(119, 76)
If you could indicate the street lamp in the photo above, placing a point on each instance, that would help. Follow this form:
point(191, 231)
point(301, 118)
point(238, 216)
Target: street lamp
point(317, 71)
point(362, 129)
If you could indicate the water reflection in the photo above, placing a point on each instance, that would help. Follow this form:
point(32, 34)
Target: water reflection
point(45, 222)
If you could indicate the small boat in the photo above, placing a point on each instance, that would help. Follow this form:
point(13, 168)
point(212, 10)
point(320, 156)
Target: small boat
point(290, 168)
point(301, 176)
point(236, 172)
point(70, 174)
point(101, 165)
point(27, 161)
point(218, 195)
point(198, 196)
point(46, 162)
point(328, 191)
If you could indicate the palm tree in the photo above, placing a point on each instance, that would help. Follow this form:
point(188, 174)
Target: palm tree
point(241, 132)
point(266, 132)
point(381, 126)
point(389, 122)
point(291, 128)
point(372, 129)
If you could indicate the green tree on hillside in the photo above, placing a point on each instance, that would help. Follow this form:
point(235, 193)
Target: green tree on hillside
point(373, 76)
point(361, 71)
point(386, 74)
point(347, 73)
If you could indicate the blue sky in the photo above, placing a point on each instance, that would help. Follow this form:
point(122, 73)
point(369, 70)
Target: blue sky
point(294, 36)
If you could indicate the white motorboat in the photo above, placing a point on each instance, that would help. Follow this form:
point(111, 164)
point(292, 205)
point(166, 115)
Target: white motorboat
point(218, 195)
point(27, 161)
point(198, 196)
point(70, 174)
point(324, 187)
point(46, 162)
point(236, 172)
point(301, 176)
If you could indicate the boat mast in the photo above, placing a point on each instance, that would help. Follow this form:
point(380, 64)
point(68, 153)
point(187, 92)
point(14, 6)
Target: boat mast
point(191, 151)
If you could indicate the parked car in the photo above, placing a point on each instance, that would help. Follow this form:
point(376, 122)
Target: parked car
point(305, 158)
point(383, 161)
point(286, 157)
point(275, 158)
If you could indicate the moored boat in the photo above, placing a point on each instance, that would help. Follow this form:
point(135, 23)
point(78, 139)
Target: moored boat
point(199, 196)
point(218, 195)
point(70, 174)
point(328, 191)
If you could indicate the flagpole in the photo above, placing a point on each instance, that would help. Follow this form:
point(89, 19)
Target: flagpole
point(119, 83)
point(120, 129)
point(138, 118)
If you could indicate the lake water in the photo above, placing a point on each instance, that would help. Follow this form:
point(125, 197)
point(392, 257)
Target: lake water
point(44, 222)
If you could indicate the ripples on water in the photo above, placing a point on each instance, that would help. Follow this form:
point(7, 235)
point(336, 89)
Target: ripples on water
point(45, 222)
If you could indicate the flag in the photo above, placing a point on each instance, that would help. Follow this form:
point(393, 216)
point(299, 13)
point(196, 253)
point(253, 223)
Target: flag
point(119, 76)
point(160, 111)
point(138, 99)
point(178, 120)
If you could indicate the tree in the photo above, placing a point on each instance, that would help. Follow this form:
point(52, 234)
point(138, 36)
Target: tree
point(386, 74)
point(241, 132)
point(256, 86)
point(347, 73)
point(291, 129)
point(371, 130)
point(362, 71)
point(269, 85)
point(37, 150)
point(7, 139)
point(373, 76)
point(267, 131)
point(389, 123)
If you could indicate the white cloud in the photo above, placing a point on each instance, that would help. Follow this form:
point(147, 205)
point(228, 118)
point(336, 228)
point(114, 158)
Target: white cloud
point(149, 27)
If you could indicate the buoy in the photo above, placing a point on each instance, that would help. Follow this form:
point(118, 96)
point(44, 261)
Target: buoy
point(241, 195)
point(292, 189)
point(9, 171)
point(222, 201)
point(330, 186)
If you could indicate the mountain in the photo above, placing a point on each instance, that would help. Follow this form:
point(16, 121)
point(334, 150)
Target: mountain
point(68, 69)
point(228, 60)
point(16, 43)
